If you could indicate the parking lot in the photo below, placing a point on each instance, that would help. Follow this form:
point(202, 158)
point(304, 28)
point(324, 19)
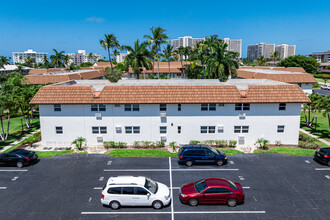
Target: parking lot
point(69, 187)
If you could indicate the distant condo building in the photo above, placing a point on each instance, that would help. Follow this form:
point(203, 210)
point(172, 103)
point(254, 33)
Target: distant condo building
point(19, 57)
point(185, 42)
point(83, 57)
point(322, 56)
point(121, 57)
point(262, 49)
point(234, 45)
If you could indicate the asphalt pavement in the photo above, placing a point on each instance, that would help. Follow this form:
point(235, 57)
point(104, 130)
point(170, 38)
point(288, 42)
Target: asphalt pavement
point(69, 187)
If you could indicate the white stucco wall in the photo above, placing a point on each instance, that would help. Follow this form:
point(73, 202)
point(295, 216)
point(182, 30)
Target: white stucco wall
point(262, 119)
point(306, 87)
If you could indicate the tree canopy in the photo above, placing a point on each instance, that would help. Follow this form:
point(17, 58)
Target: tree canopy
point(309, 64)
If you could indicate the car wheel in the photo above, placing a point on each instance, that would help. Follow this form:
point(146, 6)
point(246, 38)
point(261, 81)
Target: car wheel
point(193, 202)
point(114, 205)
point(19, 164)
point(189, 163)
point(220, 163)
point(231, 202)
point(157, 204)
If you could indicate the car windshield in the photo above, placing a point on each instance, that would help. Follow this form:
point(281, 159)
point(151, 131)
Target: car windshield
point(214, 151)
point(232, 185)
point(151, 185)
point(200, 185)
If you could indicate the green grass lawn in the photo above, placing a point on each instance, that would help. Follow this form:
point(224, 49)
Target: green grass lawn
point(140, 153)
point(322, 131)
point(53, 153)
point(229, 151)
point(294, 151)
point(15, 128)
point(321, 80)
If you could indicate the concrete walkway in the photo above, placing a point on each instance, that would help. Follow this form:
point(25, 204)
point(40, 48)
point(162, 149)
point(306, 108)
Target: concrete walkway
point(19, 140)
point(314, 136)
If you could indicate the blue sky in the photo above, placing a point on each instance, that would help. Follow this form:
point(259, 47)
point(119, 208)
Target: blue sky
point(70, 25)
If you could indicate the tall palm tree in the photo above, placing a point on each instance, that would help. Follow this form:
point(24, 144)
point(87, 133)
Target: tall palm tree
point(91, 57)
point(158, 38)
point(221, 62)
point(57, 59)
point(110, 42)
point(261, 61)
point(137, 57)
point(29, 61)
point(66, 60)
point(275, 55)
point(180, 52)
point(186, 52)
point(115, 54)
point(168, 53)
point(45, 59)
point(200, 53)
point(4, 61)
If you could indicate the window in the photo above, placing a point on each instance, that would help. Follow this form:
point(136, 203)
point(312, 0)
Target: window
point(282, 106)
point(209, 153)
point(241, 129)
point(162, 129)
point(280, 129)
point(179, 107)
point(217, 190)
point(132, 130)
point(132, 107)
point(207, 129)
point(59, 130)
point(128, 190)
point(114, 190)
point(99, 130)
point(162, 107)
point(194, 153)
point(98, 107)
point(179, 129)
point(220, 129)
point(140, 191)
point(208, 107)
point(242, 106)
point(57, 108)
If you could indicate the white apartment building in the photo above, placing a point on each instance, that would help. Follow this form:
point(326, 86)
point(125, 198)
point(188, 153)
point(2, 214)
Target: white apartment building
point(322, 56)
point(121, 57)
point(19, 57)
point(234, 45)
point(186, 41)
point(285, 50)
point(169, 110)
point(266, 50)
point(13, 68)
point(83, 57)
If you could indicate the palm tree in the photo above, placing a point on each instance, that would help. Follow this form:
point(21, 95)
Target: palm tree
point(79, 142)
point(29, 61)
point(110, 42)
point(221, 62)
point(168, 53)
point(186, 52)
point(66, 60)
point(158, 38)
point(45, 60)
point(91, 57)
point(4, 61)
point(57, 58)
point(115, 54)
point(180, 52)
point(275, 55)
point(137, 57)
point(261, 60)
point(200, 53)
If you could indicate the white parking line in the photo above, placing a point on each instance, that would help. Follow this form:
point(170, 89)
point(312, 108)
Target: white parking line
point(175, 187)
point(98, 187)
point(109, 163)
point(241, 177)
point(13, 170)
point(3, 187)
point(246, 187)
point(156, 213)
point(172, 209)
point(101, 178)
point(231, 162)
point(90, 199)
point(322, 168)
point(327, 176)
point(307, 161)
point(15, 178)
point(160, 170)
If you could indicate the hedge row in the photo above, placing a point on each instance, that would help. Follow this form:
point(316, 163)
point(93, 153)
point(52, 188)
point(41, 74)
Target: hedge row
point(136, 144)
point(308, 142)
point(216, 143)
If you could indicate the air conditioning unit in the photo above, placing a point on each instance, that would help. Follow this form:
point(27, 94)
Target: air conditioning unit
point(163, 114)
point(242, 114)
point(117, 105)
point(98, 115)
point(99, 139)
point(220, 128)
point(163, 138)
point(118, 128)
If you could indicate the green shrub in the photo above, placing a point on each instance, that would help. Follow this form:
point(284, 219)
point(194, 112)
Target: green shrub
point(278, 143)
point(173, 146)
point(315, 85)
point(136, 144)
point(160, 144)
point(121, 145)
point(194, 142)
point(308, 145)
point(232, 143)
point(146, 144)
point(306, 138)
point(221, 143)
point(109, 144)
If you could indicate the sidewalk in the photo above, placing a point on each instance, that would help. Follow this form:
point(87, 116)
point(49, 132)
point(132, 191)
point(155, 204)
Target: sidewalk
point(314, 136)
point(19, 140)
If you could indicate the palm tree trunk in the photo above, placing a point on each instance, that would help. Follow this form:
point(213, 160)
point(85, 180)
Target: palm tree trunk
point(6, 137)
point(169, 68)
point(24, 116)
point(2, 133)
point(111, 64)
point(158, 64)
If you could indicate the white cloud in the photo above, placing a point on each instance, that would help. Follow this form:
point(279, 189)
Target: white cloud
point(95, 19)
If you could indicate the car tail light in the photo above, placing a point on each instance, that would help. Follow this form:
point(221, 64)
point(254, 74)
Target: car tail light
point(28, 159)
point(326, 156)
point(181, 157)
point(102, 196)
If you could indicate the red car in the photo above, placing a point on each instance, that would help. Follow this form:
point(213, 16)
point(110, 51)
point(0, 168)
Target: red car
point(212, 190)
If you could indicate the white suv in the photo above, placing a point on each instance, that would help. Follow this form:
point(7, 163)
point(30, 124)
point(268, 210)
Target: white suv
point(135, 191)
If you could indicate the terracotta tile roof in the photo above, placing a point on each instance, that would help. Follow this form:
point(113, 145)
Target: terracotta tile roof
point(289, 69)
point(44, 79)
point(104, 64)
point(291, 77)
point(170, 94)
point(42, 71)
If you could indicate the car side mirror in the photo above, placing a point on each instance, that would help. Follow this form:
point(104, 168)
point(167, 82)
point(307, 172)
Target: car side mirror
point(148, 195)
